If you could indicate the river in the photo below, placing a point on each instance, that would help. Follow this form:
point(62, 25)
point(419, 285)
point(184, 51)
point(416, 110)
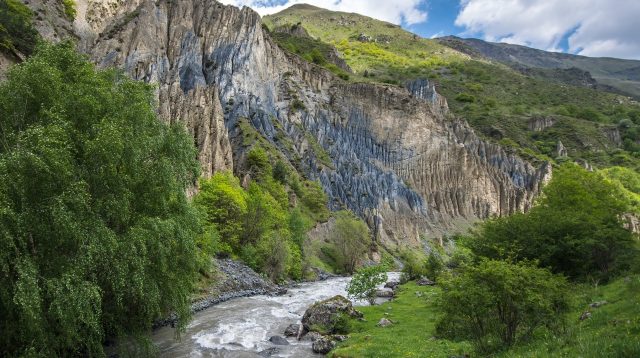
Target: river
point(242, 327)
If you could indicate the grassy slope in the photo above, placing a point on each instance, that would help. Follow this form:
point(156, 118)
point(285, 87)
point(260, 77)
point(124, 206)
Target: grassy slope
point(499, 101)
point(612, 330)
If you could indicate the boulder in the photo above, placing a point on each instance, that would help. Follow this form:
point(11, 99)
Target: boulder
point(339, 337)
point(391, 284)
point(384, 322)
point(311, 337)
point(293, 330)
point(585, 315)
point(323, 316)
point(384, 293)
point(598, 304)
point(323, 345)
point(279, 341)
point(423, 281)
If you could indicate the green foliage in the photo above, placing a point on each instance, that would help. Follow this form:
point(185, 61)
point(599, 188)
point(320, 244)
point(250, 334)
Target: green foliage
point(280, 172)
point(465, 97)
point(364, 282)
point(97, 237)
point(70, 9)
point(414, 265)
point(313, 199)
point(16, 28)
point(434, 266)
point(351, 240)
point(574, 229)
point(497, 304)
point(222, 199)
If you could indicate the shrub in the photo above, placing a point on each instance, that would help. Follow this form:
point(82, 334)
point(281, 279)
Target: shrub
point(498, 304)
point(465, 97)
point(363, 284)
point(434, 266)
point(351, 240)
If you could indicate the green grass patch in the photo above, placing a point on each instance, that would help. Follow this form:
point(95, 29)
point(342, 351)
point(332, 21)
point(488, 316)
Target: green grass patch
point(412, 334)
point(611, 331)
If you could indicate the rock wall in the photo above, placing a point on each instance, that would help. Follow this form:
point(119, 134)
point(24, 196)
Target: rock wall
point(396, 157)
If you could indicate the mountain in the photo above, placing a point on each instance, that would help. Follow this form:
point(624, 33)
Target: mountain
point(530, 110)
point(386, 121)
point(616, 75)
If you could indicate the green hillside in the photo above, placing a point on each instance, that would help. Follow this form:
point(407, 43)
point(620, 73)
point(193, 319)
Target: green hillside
point(498, 101)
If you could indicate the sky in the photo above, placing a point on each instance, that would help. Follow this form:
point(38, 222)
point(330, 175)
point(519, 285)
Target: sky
point(598, 28)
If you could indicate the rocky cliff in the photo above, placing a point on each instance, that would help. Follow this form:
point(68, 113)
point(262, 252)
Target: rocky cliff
point(393, 155)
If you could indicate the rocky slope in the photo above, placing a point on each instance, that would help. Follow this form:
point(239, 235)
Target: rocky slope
point(393, 155)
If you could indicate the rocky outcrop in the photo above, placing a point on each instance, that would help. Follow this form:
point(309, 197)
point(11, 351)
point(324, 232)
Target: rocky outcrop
point(323, 316)
point(395, 155)
point(538, 124)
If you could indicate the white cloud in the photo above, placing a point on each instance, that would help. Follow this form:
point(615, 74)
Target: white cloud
point(596, 27)
point(406, 12)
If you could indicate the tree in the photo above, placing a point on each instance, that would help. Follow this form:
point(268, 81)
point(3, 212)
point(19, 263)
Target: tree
point(363, 284)
point(222, 199)
point(434, 266)
point(497, 304)
point(97, 237)
point(575, 227)
point(16, 28)
point(351, 240)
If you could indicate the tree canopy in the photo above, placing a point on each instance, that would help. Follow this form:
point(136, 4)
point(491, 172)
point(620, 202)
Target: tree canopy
point(97, 237)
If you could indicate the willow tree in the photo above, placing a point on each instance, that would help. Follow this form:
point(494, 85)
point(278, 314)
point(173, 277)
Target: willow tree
point(97, 237)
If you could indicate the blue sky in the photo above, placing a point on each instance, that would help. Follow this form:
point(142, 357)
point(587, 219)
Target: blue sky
point(595, 28)
point(440, 20)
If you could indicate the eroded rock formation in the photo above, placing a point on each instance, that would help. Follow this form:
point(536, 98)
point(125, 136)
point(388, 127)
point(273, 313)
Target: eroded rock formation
point(394, 156)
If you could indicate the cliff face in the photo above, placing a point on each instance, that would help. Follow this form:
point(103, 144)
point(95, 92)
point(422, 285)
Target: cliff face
point(395, 155)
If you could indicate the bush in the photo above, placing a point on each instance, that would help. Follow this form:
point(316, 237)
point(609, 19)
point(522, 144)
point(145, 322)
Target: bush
point(351, 240)
point(98, 238)
point(498, 304)
point(363, 284)
point(465, 97)
point(414, 265)
point(434, 266)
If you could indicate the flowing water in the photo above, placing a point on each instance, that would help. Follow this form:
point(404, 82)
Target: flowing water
point(242, 327)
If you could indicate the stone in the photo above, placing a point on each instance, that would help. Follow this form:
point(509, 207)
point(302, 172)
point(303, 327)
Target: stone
point(598, 304)
point(323, 316)
point(311, 337)
point(293, 330)
point(384, 322)
point(585, 315)
point(423, 281)
point(323, 345)
point(278, 340)
point(391, 284)
point(384, 293)
point(269, 352)
point(339, 337)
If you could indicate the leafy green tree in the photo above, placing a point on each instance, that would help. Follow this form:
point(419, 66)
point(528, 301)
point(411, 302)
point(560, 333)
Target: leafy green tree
point(363, 284)
point(574, 229)
point(224, 201)
point(497, 304)
point(97, 237)
point(298, 226)
point(280, 172)
point(434, 265)
point(263, 215)
point(351, 240)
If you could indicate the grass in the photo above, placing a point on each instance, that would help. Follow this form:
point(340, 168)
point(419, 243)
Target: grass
point(411, 335)
point(613, 330)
